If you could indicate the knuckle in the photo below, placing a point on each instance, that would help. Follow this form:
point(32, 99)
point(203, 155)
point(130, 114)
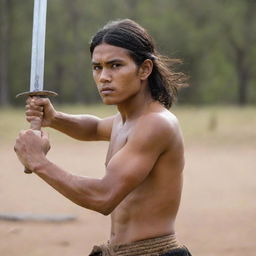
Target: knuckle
point(28, 100)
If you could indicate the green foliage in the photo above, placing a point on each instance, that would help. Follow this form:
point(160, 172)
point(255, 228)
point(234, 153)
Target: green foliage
point(215, 39)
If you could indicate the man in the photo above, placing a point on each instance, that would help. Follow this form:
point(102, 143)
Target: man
point(143, 182)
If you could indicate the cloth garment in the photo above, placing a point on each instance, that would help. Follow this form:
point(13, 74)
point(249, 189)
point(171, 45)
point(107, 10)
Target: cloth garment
point(160, 246)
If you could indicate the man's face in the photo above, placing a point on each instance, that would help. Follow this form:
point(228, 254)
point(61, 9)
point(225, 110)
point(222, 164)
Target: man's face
point(115, 74)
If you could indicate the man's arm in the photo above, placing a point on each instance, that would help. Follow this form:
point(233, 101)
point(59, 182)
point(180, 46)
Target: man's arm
point(126, 170)
point(81, 127)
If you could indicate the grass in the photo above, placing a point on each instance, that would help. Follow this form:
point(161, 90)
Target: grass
point(215, 124)
point(218, 124)
point(13, 119)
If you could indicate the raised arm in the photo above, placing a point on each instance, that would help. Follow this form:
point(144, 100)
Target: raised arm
point(81, 127)
point(126, 170)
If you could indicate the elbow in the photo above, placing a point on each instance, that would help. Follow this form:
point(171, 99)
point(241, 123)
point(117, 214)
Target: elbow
point(104, 206)
point(105, 211)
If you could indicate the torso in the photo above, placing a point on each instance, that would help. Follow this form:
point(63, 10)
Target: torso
point(150, 209)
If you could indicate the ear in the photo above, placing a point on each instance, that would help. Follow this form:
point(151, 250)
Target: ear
point(145, 69)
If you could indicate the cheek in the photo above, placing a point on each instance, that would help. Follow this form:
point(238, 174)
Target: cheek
point(128, 77)
point(96, 80)
point(130, 82)
point(94, 75)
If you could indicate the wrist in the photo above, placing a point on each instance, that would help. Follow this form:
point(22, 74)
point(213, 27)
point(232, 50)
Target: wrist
point(54, 120)
point(39, 165)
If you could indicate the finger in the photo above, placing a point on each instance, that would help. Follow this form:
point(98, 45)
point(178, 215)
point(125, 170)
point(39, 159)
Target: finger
point(45, 141)
point(37, 101)
point(33, 106)
point(22, 135)
point(22, 132)
point(44, 135)
point(37, 113)
point(30, 118)
point(34, 120)
point(33, 133)
point(40, 101)
point(28, 100)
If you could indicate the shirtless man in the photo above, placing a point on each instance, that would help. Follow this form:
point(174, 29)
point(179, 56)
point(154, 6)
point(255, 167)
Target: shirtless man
point(142, 185)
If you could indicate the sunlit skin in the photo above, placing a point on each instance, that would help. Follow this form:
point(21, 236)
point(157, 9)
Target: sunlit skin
point(114, 72)
point(142, 184)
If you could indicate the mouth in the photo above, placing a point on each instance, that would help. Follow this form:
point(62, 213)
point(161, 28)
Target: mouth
point(106, 90)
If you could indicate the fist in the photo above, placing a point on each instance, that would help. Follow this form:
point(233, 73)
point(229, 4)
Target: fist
point(31, 148)
point(40, 108)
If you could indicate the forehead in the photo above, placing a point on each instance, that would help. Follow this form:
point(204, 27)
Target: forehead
point(106, 52)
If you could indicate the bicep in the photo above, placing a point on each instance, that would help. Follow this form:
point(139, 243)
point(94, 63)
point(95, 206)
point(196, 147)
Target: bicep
point(129, 167)
point(104, 128)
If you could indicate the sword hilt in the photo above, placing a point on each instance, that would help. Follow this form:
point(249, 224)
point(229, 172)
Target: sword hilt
point(35, 125)
point(41, 94)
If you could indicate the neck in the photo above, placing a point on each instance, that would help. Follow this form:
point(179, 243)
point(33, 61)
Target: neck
point(136, 105)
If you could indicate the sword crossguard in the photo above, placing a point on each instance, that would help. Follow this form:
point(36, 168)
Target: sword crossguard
point(43, 93)
point(36, 127)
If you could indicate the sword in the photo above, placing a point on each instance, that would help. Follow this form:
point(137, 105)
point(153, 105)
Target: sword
point(37, 61)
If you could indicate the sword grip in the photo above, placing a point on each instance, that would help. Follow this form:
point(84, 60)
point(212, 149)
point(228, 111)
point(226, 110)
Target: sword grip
point(38, 133)
point(35, 125)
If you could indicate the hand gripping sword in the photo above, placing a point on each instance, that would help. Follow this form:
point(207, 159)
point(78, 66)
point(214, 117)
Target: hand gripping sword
point(37, 61)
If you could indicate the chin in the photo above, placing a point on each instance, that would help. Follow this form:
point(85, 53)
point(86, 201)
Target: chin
point(109, 101)
point(113, 100)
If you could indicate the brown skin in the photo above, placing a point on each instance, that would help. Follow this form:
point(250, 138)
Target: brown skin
point(142, 185)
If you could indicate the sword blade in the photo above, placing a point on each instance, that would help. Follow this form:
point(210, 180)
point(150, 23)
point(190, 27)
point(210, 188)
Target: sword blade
point(38, 46)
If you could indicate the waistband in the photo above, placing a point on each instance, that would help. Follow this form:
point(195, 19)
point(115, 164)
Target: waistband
point(148, 247)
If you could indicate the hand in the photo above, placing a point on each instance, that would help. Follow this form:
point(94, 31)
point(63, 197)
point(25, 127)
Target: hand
point(31, 149)
point(42, 108)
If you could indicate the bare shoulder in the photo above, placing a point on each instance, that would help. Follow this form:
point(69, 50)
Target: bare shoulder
point(159, 122)
point(158, 128)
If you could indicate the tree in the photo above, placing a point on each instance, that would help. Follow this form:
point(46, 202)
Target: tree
point(4, 50)
point(215, 39)
point(240, 36)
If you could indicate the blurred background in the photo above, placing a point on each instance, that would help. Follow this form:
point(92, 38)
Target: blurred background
point(216, 41)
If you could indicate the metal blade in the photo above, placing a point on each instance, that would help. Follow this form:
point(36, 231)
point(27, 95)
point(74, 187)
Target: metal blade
point(38, 46)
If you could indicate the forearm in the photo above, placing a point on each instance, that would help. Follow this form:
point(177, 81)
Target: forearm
point(86, 192)
point(81, 127)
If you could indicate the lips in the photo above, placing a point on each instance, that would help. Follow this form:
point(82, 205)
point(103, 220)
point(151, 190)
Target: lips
point(106, 90)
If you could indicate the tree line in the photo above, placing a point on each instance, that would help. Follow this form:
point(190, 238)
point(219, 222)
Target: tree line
point(215, 39)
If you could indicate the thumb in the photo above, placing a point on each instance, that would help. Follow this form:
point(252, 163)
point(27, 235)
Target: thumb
point(41, 101)
point(44, 135)
point(45, 141)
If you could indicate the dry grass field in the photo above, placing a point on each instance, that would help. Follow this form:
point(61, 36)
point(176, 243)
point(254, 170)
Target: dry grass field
point(217, 216)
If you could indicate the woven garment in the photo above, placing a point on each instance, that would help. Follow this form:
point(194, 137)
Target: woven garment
point(160, 246)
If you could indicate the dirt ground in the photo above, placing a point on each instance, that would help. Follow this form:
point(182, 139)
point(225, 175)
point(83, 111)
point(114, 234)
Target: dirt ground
point(217, 214)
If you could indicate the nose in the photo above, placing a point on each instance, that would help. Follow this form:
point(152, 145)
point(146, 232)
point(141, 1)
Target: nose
point(105, 76)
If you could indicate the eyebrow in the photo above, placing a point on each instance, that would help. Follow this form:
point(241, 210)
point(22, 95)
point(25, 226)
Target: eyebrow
point(108, 62)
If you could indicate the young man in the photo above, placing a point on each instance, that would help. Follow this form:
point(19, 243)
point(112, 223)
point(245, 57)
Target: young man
point(143, 182)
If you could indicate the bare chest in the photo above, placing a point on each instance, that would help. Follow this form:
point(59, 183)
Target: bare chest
point(118, 140)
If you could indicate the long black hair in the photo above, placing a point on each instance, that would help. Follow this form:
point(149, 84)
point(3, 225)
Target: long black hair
point(163, 81)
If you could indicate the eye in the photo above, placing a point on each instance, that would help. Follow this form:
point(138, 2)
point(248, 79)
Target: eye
point(96, 67)
point(116, 65)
